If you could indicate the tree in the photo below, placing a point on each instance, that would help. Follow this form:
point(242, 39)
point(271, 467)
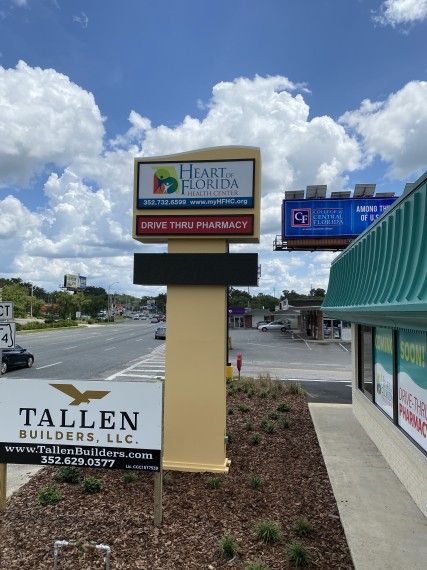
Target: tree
point(319, 293)
point(262, 301)
point(237, 298)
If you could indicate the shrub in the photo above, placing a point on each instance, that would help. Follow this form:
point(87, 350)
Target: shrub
point(255, 439)
point(249, 426)
point(167, 477)
point(294, 388)
point(256, 566)
point(303, 527)
point(283, 407)
point(230, 412)
point(130, 478)
point(273, 416)
point(255, 481)
point(243, 408)
point(298, 555)
point(68, 475)
point(214, 482)
point(48, 496)
point(263, 394)
point(268, 531)
point(229, 438)
point(228, 546)
point(283, 422)
point(92, 485)
point(267, 426)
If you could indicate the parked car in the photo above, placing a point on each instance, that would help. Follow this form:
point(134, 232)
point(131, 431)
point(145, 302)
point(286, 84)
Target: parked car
point(160, 332)
point(17, 357)
point(155, 320)
point(274, 325)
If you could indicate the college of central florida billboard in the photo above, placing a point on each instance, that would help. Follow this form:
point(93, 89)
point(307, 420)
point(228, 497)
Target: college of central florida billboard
point(332, 217)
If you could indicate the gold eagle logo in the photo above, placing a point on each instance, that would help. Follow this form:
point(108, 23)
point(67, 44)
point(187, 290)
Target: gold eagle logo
point(80, 397)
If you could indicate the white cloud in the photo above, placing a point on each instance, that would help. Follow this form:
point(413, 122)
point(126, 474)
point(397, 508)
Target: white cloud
point(81, 19)
point(394, 129)
point(44, 118)
point(398, 12)
point(86, 225)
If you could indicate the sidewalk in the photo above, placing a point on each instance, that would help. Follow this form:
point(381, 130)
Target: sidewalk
point(385, 530)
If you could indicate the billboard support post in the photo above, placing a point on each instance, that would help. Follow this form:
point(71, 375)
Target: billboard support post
point(3, 484)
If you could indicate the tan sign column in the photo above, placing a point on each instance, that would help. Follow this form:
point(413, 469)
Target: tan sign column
point(198, 202)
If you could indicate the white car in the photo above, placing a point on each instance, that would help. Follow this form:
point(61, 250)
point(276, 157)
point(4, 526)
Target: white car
point(274, 326)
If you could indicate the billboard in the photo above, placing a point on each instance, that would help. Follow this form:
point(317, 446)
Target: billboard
point(331, 217)
point(74, 282)
point(82, 423)
point(196, 184)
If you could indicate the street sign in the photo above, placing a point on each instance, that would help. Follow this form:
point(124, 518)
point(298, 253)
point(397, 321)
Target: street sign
point(7, 335)
point(6, 311)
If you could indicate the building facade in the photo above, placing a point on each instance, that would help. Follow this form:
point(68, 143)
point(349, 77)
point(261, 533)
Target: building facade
point(379, 284)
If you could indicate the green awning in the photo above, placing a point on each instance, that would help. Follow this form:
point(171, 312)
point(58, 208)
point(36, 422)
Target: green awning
point(381, 278)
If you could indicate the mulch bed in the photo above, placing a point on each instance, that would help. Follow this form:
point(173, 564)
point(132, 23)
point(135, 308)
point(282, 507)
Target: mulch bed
point(196, 516)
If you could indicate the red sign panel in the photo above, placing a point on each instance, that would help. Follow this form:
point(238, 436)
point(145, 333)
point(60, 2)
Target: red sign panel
point(195, 225)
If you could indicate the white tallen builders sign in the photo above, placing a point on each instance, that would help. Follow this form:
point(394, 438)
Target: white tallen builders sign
point(81, 423)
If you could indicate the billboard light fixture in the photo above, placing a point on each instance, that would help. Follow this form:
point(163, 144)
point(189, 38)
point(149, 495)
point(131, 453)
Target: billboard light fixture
point(384, 195)
point(364, 190)
point(341, 195)
point(316, 191)
point(294, 194)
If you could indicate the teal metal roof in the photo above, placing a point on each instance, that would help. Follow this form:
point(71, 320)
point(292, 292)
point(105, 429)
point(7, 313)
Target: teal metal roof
point(381, 278)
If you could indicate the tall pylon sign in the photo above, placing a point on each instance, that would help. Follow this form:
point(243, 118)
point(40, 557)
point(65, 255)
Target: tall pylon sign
point(197, 202)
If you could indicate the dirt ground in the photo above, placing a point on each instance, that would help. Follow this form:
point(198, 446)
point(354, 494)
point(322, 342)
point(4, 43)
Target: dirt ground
point(284, 462)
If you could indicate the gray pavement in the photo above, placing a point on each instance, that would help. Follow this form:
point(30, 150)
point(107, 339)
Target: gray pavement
point(385, 529)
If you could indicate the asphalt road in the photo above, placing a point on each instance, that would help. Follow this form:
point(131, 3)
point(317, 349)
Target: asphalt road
point(93, 352)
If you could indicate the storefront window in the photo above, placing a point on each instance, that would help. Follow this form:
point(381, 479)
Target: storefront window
point(412, 385)
point(383, 362)
point(365, 361)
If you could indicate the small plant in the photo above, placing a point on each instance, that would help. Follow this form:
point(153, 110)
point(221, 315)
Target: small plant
point(228, 546)
point(92, 485)
point(48, 496)
point(273, 395)
point(229, 438)
point(295, 388)
point(255, 481)
point(257, 565)
point(243, 408)
point(249, 426)
point(68, 475)
point(283, 407)
point(268, 531)
point(214, 482)
point(263, 394)
point(273, 416)
point(167, 477)
point(130, 478)
point(303, 527)
point(298, 555)
point(230, 412)
point(255, 439)
point(283, 422)
point(267, 426)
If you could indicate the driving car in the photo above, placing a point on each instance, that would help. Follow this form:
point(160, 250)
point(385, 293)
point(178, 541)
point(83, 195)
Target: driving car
point(274, 325)
point(160, 332)
point(16, 358)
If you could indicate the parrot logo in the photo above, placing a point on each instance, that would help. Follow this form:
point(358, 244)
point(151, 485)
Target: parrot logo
point(165, 180)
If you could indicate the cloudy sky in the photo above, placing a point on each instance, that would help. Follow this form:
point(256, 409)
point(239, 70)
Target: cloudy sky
point(333, 92)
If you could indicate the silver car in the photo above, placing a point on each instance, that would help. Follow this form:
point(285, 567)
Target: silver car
point(274, 326)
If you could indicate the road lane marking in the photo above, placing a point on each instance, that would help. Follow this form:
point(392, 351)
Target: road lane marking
point(110, 348)
point(342, 346)
point(47, 365)
point(70, 347)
